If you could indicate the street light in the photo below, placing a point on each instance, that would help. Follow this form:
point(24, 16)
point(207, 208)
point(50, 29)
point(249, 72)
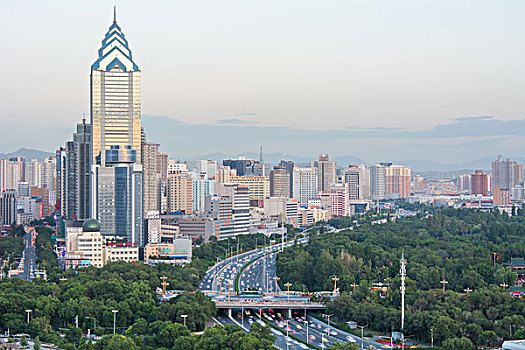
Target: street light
point(504, 285)
point(431, 337)
point(443, 282)
point(468, 290)
point(362, 327)
point(164, 284)
point(114, 320)
point(288, 285)
point(184, 319)
point(229, 285)
point(276, 279)
point(328, 318)
point(28, 312)
point(220, 285)
point(353, 285)
point(306, 331)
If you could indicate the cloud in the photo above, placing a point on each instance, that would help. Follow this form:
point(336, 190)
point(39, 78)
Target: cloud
point(246, 114)
point(236, 121)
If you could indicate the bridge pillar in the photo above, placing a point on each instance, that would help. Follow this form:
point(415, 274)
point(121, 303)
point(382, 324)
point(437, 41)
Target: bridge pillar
point(289, 313)
point(229, 312)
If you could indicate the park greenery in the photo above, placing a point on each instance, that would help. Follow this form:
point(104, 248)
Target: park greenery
point(452, 245)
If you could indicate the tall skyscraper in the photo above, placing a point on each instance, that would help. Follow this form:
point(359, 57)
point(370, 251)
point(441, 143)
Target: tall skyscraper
point(7, 206)
point(34, 173)
point(115, 96)
point(150, 153)
point(77, 175)
point(180, 193)
point(327, 172)
point(230, 209)
point(118, 195)
point(506, 174)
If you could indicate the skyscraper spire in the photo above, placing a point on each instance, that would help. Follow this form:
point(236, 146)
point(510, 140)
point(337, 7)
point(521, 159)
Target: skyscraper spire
point(114, 14)
point(260, 155)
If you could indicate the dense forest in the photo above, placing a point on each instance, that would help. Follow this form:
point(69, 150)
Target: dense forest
point(457, 246)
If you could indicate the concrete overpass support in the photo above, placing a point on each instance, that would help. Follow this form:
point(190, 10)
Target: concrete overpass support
point(289, 313)
point(230, 312)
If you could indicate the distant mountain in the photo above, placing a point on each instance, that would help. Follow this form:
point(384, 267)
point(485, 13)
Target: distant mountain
point(28, 154)
point(272, 158)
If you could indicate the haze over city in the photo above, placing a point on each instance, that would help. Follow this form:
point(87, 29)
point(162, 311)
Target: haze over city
point(372, 79)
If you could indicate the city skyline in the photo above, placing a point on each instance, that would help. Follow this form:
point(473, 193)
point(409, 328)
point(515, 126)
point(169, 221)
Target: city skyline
point(360, 134)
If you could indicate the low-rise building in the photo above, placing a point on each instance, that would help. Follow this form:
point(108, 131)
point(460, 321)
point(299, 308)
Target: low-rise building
point(178, 252)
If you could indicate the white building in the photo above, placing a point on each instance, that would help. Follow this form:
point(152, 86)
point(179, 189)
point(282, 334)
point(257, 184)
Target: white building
point(305, 184)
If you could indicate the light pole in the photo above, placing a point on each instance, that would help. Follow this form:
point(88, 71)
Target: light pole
point(431, 337)
point(229, 285)
point(307, 340)
point(362, 339)
point(335, 279)
point(276, 279)
point(353, 285)
point(288, 285)
point(328, 319)
point(114, 320)
point(220, 285)
point(28, 312)
point(467, 290)
point(184, 319)
point(504, 285)
point(287, 336)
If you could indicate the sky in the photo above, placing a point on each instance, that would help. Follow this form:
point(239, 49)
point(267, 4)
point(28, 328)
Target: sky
point(379, 80)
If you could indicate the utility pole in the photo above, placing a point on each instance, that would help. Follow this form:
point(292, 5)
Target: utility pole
point(443, 282)
point(276, 279)
point(282, 236)
point(114, 320)
point(403, 273)
point(335, 279)
point(432, 337)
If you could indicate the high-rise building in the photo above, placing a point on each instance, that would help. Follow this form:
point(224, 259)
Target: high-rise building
point(338, 202)
point(118, 193)
point(49, 173)
point(397, 181)
point(501, 196)
point(151, 183)
point(229, 207)
point(162, 167)
point(479, 183)
point(115, 97)
point(358, 179)
point(208, 167)
point(377, 181)
point(224, 173)
point(279, 182)
point(289, 165)
point(77, 175)
point(34, 173)
point(42, 193)
point(180, 193)
point(506, 174)
point(259, 187)
point(7, 207)
point(305, 184)
point(327, 172)
point(463, 183)
point(245, 167)
point(202, 187)
point(177, 167)
point(12, 171)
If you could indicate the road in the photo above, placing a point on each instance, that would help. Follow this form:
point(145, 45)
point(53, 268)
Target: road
point(28, 261)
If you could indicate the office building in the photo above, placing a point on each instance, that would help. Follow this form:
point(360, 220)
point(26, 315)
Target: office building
point(177, 167)
point(207, 167)
point(501, 196)
point(203, 187)
point(7, 207)
point(152, 225)
point(43, 194)
point(377, 181)
point(337, 200)
point(280, 182)
point(74, 175)
point(479, 183)
point(305, 184)
point(151, 182)
point(289, 165)
point(224, 173)
point(506, 174)
point(118, 195)
point(327, 172)
point(22, 189)
point(177, 252)
point(358, 179)
point(229, 207)
point(115, 97)
point(180, 193)
point(162, 167)
point(259, 187)
point(245, 167)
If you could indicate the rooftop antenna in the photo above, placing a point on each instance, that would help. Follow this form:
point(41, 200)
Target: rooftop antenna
point(114, 14)
point(83, 118)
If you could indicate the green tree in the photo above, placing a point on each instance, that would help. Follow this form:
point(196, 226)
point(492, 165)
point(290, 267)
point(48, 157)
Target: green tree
point(116, 342)
point(458, 344)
